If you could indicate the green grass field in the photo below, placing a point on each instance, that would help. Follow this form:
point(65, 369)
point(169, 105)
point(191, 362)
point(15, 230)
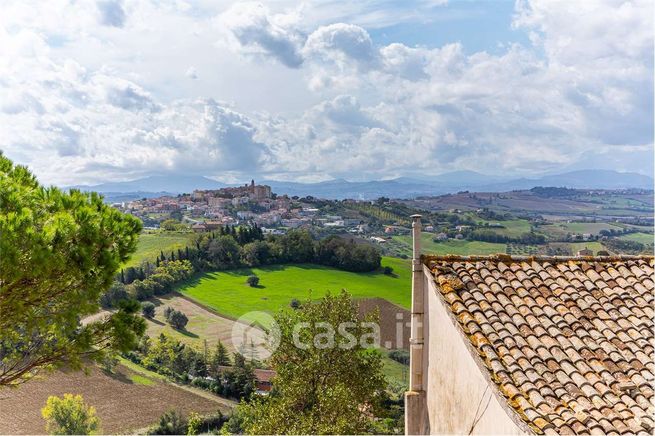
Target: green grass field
point(644, 238)
point(511, 228)
point(227, 291)
point(152, 243)
point(592, 245)
point(559, 230)
point(395, 371)
point(460, 247)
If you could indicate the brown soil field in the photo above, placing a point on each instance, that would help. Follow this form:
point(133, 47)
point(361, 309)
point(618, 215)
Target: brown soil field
point(392, 318)
point(121, 404)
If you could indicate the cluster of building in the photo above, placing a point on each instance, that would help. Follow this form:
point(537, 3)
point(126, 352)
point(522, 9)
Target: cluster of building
point(207, 210)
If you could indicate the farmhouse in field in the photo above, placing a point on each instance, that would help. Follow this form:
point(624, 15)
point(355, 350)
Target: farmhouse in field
point(527, 345)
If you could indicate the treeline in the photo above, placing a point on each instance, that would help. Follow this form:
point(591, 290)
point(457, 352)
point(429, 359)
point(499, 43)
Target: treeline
point(624, 246)
point(246, 246)
point(530, 238)
point(215, 371)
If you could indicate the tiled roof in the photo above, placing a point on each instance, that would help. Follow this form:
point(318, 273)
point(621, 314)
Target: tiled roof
point(568, 341)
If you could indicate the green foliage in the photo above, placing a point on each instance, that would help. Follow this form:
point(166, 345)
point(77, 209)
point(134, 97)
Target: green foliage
point(194, 424)
point(218, 359)
point(256, 253)
point(223, 251)
point(348, 255)
point(60, 253)
point(170, 423)
point(161, 280)
point(148, 309)
point(172, 225)
point(253, 281)
point(170, 357)
point(176, 319)
point(319, 390)
point(295, 246)
point(113, 295)
point(400, 356)
point(69, 415)
point(624, 246)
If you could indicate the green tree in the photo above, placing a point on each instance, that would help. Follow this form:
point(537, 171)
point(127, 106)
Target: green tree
point(255, 253)
point(297, 246)
point(319, 389)
point(148, 309)
point(113, 295)
point(224, 251)
point(70, 415)
point(178, 320)
point(171, 422)
point(59, 252)
point(253, 281)
point(220, 358)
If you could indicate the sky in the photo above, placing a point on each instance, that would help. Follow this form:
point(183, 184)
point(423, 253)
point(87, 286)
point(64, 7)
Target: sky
point(111, 90)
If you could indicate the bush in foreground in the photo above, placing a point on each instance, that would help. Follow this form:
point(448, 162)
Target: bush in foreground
point(70, 415)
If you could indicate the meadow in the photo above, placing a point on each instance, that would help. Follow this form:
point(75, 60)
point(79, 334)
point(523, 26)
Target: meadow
point(644, 238)
point(511, 228)
point(560, 230)
point(452, 246)
point(154, 242)
point(228, 293)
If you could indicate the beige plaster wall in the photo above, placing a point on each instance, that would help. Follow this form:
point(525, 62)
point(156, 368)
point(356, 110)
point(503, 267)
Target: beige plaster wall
point(459, 398)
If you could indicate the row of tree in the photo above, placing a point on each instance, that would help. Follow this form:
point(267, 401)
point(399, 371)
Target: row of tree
point(528, 238)
point(214, 371)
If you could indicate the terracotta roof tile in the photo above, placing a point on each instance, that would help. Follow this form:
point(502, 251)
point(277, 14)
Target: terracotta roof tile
point(569, 341)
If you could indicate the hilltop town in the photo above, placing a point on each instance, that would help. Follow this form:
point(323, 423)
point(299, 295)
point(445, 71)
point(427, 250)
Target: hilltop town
point(553, 221)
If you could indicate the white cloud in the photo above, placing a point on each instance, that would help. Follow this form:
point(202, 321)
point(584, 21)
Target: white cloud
point(81, 102)
point(251, 27)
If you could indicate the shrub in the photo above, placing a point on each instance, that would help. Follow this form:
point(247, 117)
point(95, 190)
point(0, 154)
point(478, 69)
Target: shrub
point(168, 311)
point(400, 356)
point(178, 320)
point(148, 309)
point(253, 280)
point(171, 422)
point(387, 270)
point(295, 304)
point(69, 415)
point(195, 422)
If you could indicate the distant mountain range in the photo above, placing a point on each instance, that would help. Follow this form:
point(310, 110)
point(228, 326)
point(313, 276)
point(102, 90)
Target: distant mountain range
point(403, 187)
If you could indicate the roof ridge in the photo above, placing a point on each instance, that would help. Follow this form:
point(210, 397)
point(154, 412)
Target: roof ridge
point(500, 257)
